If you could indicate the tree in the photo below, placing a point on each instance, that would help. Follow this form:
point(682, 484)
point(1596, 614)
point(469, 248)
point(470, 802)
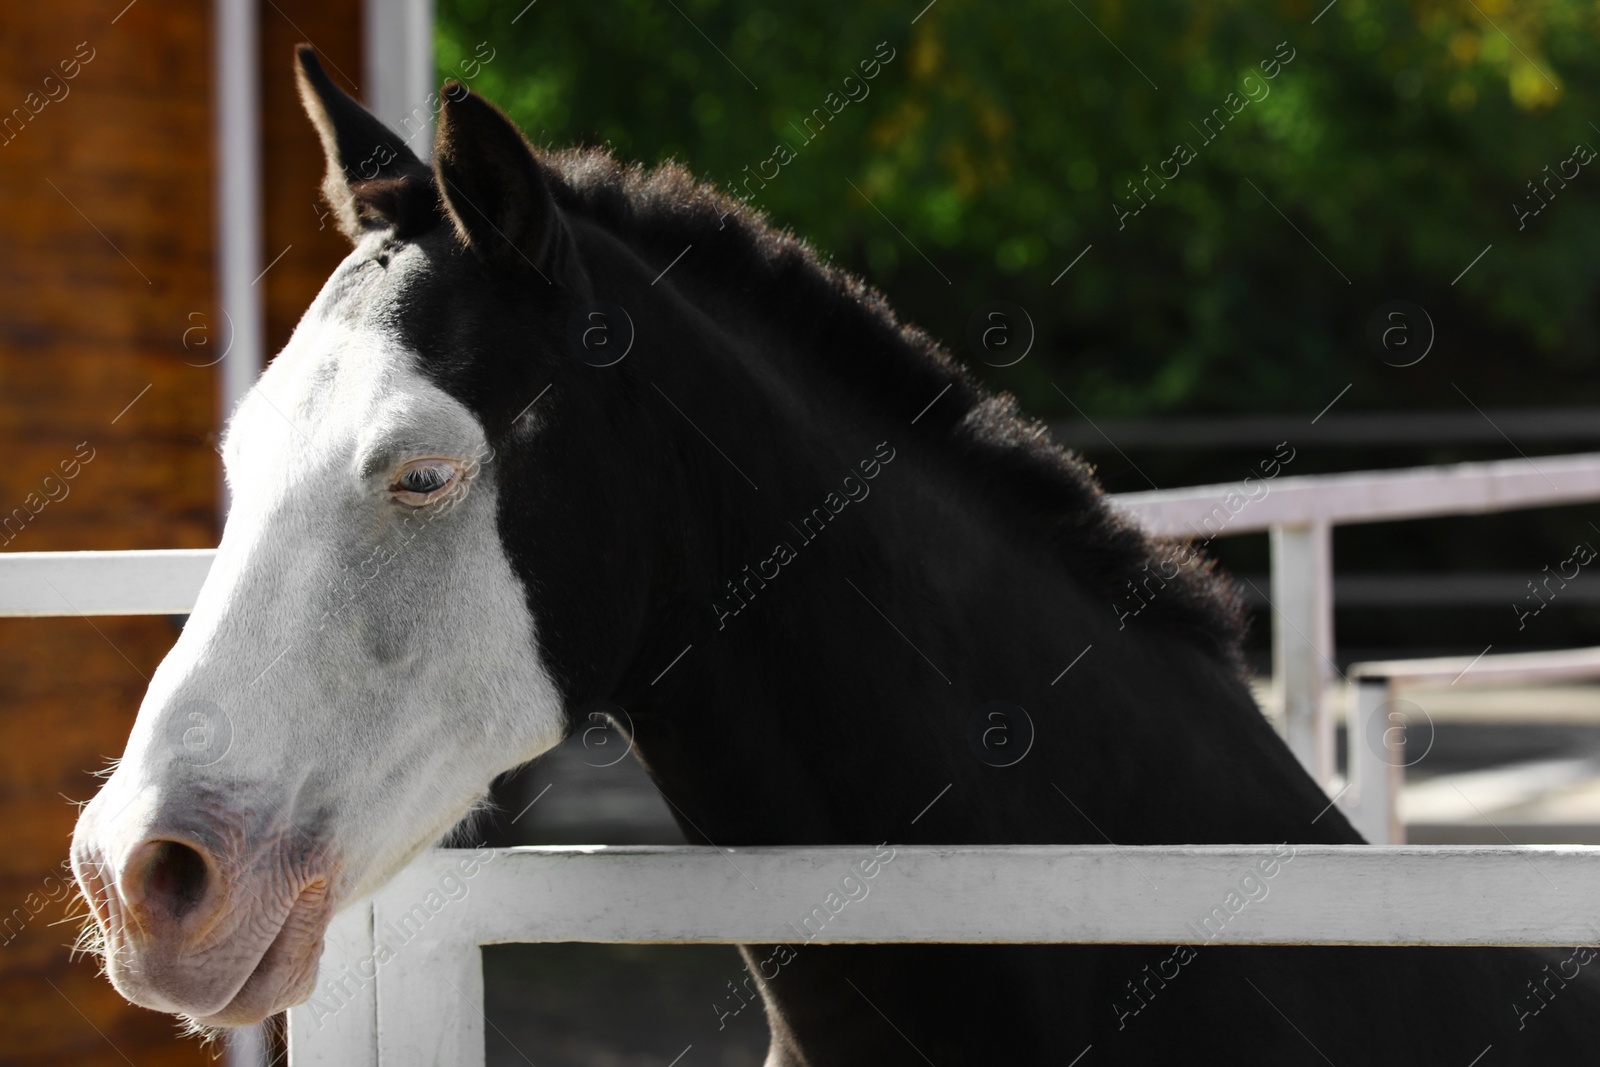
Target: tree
point(1250, 181)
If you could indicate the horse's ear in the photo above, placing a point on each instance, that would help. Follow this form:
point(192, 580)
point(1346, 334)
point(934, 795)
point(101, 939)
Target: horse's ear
point(495, 190)
point(373, 179)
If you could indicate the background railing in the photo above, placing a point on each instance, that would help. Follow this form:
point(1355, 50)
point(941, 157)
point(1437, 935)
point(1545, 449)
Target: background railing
point(397, 965)
point(1299, 513)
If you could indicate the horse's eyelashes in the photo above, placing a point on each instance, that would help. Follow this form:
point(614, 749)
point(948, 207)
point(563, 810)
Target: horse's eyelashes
point(424, 479)
point(427, 481)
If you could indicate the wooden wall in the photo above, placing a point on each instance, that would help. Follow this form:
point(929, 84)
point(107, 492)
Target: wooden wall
point(293, 155)
point(107, 293)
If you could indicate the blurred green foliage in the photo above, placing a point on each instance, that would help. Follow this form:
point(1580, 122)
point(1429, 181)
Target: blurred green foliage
point(1000, 140)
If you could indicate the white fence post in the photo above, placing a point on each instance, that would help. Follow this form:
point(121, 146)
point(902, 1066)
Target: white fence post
point(338, 1026)
point(430, 994)
point(247, 1046)
point(1302, 641)
point(1376, 763)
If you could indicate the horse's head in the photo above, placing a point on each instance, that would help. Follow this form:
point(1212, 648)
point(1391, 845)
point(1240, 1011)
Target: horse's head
point(363, 658)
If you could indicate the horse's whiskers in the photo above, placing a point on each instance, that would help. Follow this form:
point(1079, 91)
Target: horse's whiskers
point(208, 1035)
point(91, 941)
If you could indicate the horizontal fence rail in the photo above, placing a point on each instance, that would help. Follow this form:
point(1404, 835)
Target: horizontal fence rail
point(401, 983)
point(1367, 496)
point(153, 582)
point(160, 582)
point(1507, 669)
point(1015, 894)
point(1366, 429)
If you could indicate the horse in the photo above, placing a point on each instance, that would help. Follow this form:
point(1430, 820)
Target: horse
point(562, 433)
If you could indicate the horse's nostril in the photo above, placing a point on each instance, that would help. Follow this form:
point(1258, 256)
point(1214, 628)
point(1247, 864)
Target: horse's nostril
point(169, 875)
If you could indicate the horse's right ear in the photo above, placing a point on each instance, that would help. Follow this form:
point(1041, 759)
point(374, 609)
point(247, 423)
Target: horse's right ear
point(373, 179)
point(496, 192)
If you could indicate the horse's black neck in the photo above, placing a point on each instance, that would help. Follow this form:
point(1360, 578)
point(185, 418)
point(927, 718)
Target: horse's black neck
point(843, 641)
point(847, 598)
point(850, 690)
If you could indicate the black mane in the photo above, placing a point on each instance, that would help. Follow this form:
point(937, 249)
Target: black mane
point(659, 210)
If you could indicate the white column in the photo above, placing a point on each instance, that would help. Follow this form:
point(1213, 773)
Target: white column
point(397, 40)
point(239, 330)
point(235, 335)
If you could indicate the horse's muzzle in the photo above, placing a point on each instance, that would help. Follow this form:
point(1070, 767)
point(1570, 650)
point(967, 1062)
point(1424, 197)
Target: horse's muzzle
point(202, 915)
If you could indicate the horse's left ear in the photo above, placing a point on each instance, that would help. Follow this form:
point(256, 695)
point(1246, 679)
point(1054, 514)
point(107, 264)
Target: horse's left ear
point(496, 191)
point(373, 180)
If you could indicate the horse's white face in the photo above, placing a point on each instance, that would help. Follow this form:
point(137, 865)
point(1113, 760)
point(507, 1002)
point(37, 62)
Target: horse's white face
point(360, 662)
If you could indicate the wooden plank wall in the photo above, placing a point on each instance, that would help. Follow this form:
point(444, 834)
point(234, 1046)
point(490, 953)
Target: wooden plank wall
point(107, 291)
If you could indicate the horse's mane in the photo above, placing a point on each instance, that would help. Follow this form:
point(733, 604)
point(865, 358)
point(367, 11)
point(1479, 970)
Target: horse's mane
point(661, 209)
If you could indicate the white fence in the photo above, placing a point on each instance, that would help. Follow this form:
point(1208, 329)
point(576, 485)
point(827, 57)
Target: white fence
point(402, 981)
point(1299, 513)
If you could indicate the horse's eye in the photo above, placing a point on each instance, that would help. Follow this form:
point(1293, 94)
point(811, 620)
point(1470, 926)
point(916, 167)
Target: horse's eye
point(419, 483)
point(424, 479)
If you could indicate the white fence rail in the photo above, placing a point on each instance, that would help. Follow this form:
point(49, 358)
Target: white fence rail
point(1372, 496)
point(154, 582)
point(402, 980)
point(398, 964)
